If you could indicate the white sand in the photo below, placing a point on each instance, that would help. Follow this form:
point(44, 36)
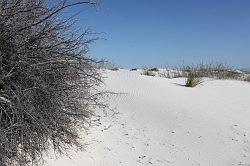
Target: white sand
point(162, 123)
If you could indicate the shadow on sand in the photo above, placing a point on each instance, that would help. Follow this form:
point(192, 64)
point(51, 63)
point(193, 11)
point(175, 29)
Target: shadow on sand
point(179, 84)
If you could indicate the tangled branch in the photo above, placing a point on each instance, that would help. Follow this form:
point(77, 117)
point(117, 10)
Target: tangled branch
point(47, 83)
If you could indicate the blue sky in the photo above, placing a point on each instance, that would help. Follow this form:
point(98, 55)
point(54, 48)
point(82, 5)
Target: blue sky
point(144, 33)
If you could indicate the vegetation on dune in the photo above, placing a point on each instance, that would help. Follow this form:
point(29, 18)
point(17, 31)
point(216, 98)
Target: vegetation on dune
point(210, 70)
point(195, 73)
point(193, 79)
point(148, 72)
point(217, 71)
point(47, 83)
point(247, 78)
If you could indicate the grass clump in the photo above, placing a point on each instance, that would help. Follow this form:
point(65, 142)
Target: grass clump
point(247, 78)
point(148, 73)
point(193, 79)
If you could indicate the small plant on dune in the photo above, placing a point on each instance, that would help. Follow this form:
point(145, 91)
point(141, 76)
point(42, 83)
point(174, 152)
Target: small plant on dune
point(193, 79)
point(148, 73)
point(247, 78)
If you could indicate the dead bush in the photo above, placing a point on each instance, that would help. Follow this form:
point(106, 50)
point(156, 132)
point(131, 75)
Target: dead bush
point(47, 83)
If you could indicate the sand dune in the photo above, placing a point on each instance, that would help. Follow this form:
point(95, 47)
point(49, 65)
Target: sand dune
point(160, 122)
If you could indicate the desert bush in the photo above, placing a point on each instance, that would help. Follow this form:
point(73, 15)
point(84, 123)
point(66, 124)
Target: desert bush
point(211, 70)
point(247, 78)
point(195, 73)
point(193, 79)
point(47, 83)
point(148, 73)
point(216, 70)
point(171, 72)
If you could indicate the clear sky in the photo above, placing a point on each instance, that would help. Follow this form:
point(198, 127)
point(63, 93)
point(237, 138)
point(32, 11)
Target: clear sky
point(144, 33)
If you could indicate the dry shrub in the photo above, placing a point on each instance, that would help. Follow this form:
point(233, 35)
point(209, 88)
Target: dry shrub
point(47, 84)
point(247, 78)
point(148, 73)
point(210, 70)
point(173, 72)
point(193, 79)
point(214, 70)
point(195, 73)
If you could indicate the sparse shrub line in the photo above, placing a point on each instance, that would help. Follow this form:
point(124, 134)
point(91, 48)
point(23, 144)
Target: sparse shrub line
point(147, 72)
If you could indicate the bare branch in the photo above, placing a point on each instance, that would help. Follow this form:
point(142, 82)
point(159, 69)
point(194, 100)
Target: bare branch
point(48, 86)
